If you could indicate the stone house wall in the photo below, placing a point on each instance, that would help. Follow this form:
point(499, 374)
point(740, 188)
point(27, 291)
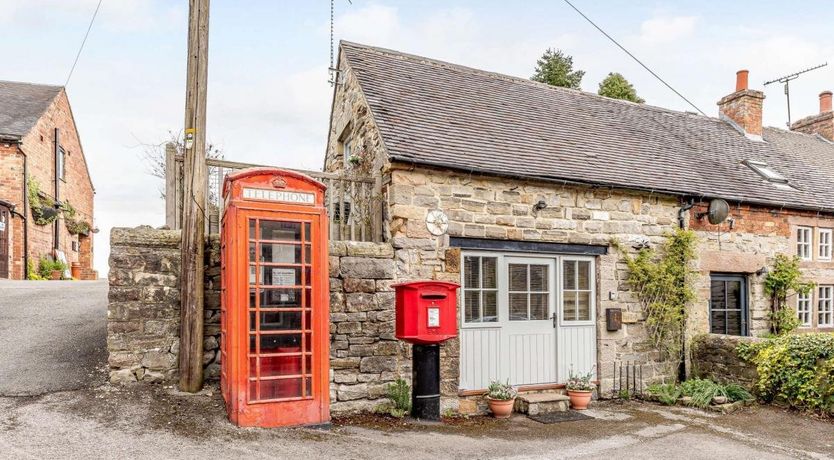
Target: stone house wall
point(715, 357)
point(143, 316)
point(76, 188)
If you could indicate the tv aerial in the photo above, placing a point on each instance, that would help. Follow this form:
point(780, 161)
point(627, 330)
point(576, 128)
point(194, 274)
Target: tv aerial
point(786, 81)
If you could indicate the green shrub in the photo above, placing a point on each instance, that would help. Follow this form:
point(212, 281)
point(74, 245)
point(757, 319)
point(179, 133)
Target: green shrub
point(46, 266)
point(32, 272)
point(399, 392)
point(736, 392)
point(668, 394)
point(702, 391)
point(795, 369)
point(501, 391)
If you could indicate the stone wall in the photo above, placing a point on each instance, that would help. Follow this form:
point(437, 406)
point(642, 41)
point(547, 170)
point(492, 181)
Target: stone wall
point(715, 357)
point(364, 354)
point(143, 316)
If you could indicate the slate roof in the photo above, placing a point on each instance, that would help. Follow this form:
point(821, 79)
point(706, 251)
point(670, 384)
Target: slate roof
point(21, 106)
point(440, 114)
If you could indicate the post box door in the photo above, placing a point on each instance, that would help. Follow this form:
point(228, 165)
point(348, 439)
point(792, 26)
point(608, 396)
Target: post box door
point(286, 326)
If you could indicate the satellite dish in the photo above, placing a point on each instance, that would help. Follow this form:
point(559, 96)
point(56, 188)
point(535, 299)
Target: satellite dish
point(717, 212)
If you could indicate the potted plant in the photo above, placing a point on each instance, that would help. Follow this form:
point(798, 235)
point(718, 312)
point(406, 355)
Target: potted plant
point(501, 398)
point(51, 269)
point(580, 390)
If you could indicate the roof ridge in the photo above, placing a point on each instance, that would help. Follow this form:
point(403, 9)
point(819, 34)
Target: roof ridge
point(512, 78)
point(44, 85)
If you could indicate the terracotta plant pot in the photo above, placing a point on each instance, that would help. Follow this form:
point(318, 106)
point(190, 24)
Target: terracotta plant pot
point(501, 408)
point(56, 274)
point(76, 270)
point(579, 399)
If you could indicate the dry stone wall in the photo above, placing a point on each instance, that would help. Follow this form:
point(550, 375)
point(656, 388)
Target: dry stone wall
point(715, 357)
point(143, 315)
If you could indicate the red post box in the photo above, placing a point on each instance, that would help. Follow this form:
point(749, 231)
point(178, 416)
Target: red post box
point(426, 311)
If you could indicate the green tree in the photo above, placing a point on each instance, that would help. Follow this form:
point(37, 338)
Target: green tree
point(616, 86)
point(556, 68)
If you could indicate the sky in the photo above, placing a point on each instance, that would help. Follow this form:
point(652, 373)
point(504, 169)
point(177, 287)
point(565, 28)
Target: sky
point(268, 96)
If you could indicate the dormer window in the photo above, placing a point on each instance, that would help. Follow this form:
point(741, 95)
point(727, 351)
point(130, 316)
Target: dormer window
point(761, 168)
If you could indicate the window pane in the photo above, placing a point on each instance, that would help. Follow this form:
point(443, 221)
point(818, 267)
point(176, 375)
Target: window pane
point(584, 274)
point(583, 307)
point(280, 343)
point(281, 276)
point(281, 321)
point(278, 389)
point(733, 322)
point(281, 365)
point(472, 300)
point(275, 230)
point(717, 323)
point(251, 229)
point(490, 306)
point(277, 298)
point(569, 306)
point(569, 274)
point(734, 294)
point(518, 307)
point(717, 295)
point(472, 272)
point(518, 277)
point(281, 253)
point(538, 306)
point(538, 278)
point(489, 264)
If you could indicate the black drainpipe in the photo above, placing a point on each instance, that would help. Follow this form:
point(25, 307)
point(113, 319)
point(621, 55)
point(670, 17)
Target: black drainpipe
point(25, 213)
point(56, 229)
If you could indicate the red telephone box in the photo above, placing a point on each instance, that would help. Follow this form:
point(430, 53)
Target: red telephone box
point(274, 319)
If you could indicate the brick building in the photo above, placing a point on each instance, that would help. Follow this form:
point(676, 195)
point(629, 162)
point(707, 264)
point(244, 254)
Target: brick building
point(40, 147)
point(535, 181)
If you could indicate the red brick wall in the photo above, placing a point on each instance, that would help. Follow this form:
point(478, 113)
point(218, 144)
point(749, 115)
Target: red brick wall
point(76, 188)
point(746, 219)
point(11, 190)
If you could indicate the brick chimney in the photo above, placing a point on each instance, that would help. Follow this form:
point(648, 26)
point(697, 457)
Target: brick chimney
point(743, 107)
point(821, 123)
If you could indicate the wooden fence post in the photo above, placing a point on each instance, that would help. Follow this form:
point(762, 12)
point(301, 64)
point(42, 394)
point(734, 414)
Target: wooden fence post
point(172, 196)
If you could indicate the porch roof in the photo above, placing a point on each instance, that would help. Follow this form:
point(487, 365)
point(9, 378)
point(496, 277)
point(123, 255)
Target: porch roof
point(440, 114)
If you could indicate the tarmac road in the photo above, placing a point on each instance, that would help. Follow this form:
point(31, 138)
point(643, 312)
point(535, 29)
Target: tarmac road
point(53, 336)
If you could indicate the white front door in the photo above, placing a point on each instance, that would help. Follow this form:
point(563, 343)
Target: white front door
point(525, 319)
point(528, 335)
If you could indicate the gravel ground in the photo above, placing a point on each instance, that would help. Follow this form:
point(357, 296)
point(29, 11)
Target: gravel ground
point(53, 335)
point(54, 403)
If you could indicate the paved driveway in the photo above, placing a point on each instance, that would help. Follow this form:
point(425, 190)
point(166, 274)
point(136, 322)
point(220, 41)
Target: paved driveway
point(53, 336)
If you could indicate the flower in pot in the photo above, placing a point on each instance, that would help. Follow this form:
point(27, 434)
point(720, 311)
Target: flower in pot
point(501, 398)
point(580, 390)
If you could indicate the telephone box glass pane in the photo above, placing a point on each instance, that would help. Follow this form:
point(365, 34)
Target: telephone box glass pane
point(280, 253)
point(278, 298)
point(281, 321)
point(280, 276)
point(306, 231)
point(280, 343)
point(275, 230)
point(281, 365)
point(282, 388)
point(252, 229)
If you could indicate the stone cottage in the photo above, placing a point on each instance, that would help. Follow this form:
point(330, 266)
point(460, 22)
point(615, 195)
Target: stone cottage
point(40, 147)
point(516, 189)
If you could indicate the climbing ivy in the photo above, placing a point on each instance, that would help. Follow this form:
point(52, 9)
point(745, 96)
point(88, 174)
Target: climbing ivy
point(663, 282)
point(782, 280)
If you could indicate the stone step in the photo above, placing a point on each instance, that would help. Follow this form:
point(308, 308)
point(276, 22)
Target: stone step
point(541, 403)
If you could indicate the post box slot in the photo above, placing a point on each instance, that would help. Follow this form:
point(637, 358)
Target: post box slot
point(433, 295)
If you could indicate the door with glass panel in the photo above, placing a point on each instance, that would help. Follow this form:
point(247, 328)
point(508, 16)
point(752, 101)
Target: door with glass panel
point(280, 311)
point(528, 332)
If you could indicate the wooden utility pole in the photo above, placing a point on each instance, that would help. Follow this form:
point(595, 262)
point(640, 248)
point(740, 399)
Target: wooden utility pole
point(194, 201)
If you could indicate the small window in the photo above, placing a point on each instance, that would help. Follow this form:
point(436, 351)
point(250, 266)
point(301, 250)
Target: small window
point(803, 243)
point(825, 306)
point(761, 168)
point(803, 308)
point(529, 291)
point(576, 290)
point(480, 289)
point(347, 151)
point(60, 166)
point(824, 244)
point(74, 246)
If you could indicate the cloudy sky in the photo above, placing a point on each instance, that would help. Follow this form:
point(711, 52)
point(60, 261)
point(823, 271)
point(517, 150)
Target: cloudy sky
point(268, 97)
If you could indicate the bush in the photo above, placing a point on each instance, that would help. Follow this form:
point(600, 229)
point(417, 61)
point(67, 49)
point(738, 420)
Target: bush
point(795, 369)
point(501, 391)
point(702, 391)
point(399, 393)
point(46, 266)
point(667, 394)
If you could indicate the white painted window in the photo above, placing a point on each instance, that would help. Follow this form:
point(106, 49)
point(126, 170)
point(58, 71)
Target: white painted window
point(803, 242)
point(803, 308)
point(347, 151)
point(529, 291)
point(577, 290)
point(825, 306)
point(824, 244)
point(480, 289)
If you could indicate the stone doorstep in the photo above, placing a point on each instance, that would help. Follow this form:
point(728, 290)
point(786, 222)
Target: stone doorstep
point(541, 403)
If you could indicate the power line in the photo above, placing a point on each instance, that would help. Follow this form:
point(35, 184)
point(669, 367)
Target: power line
point(635, 58)
point(83, 42)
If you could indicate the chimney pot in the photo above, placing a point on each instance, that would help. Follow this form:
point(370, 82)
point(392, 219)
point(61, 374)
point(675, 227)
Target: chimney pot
point(825, 101)
point(741, 80)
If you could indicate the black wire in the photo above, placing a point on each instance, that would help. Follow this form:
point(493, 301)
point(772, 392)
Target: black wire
point(635, 58)
point(83, 42)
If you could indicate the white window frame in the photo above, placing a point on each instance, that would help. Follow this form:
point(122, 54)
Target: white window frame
point(503, 287)
point(804, 245)
point(347, 147)
point(592, 282)
point(805, 308)
point(824, 243)
point(499, 282)
point(826, 297)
